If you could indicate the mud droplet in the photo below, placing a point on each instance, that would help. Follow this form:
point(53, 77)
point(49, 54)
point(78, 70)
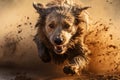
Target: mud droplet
point(25, 23)
point(112, 46)
point(28, 18)
point(19, 31)
point(19, 25)
point(111, 37)
point(30, 23)
point(100, 61)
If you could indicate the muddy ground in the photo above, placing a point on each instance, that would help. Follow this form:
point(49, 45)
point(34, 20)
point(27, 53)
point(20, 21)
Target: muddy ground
point(18, 53)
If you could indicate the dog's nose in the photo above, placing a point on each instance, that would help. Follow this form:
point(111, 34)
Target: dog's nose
point(58, 40)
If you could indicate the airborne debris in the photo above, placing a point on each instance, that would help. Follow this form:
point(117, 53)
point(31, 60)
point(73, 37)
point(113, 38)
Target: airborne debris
point(112, 46)
point(28, 18)
point(111, 37)
point(25, 23)
point(19, 31)
point(19, 25)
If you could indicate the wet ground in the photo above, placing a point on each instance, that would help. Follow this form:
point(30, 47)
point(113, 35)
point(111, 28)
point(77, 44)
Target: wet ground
point(35, 74)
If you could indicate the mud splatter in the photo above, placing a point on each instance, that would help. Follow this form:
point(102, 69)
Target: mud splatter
point(109, 1)
point(19, 25)
point(19, 31)
point(10, 46)
point(101, 41)
point(111, 37)
point(112, 46)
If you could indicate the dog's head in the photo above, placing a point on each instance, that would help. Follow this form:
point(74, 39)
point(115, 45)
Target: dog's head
point(61, 22)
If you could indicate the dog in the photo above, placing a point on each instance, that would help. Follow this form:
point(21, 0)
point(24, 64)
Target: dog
point(61, 29)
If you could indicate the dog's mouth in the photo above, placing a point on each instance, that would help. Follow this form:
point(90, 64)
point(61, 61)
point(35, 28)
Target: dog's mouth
point(60, 49)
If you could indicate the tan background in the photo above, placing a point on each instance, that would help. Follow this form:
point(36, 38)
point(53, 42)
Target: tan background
point(17, 20)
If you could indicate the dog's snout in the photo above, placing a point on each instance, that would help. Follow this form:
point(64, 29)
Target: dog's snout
point(58, 40)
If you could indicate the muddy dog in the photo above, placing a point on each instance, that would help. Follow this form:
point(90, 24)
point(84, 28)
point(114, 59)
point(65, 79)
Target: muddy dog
point(61, 29)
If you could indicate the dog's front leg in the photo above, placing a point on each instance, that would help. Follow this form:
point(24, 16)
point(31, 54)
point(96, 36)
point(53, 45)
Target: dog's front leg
point(76, 65)
point(42, 50)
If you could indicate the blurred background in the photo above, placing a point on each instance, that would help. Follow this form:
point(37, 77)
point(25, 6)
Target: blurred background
point(18, 51)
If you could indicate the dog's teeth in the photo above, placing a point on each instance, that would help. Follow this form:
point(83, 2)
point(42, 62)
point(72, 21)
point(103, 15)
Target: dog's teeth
point(58, 49)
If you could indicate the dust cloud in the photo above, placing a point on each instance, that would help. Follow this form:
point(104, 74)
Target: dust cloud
point(17, 49)
point(103, 39)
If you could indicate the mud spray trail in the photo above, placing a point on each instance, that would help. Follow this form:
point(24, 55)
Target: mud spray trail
point(18, 53)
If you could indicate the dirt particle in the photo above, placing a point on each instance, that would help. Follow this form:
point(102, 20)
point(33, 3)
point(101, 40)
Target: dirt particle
point(110, 2)
point(111, 37)
point(106, 28)
point(25, 23)
point(106, 0)
point(30, 23)
point(19, 31)
point(100, 61)
point(93, 43)
point(110, 19)
point(112, 46)
point(28, 18)
point(99, 55)
point(100, 24)
point(19, 25)
point(108, 53)
point(96, 22)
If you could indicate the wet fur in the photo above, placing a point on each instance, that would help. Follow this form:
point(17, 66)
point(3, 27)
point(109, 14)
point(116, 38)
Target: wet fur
point(77, 53)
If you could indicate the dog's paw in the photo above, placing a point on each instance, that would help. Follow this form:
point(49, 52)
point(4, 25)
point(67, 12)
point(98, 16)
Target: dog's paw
point(71, 70)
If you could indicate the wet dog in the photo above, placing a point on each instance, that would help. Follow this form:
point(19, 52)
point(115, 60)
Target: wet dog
point(61, 29)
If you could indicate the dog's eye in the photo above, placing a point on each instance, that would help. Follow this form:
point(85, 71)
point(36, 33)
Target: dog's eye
point(66, 25)
point(52, 25)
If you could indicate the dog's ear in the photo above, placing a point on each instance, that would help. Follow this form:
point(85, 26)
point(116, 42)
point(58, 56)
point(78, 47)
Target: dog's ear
point(83, 8)
point(77, 10)
point(39, 8)
point(81, 15)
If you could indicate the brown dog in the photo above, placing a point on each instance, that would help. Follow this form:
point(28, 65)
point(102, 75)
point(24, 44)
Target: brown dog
point(62, 26)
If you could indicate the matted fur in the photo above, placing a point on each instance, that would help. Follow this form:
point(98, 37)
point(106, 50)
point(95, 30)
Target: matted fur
point(77, 52)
